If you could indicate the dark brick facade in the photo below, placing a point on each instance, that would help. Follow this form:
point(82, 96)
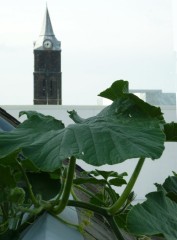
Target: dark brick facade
point(47, 77)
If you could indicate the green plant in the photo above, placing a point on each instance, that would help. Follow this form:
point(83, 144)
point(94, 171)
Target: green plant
point(128, 128)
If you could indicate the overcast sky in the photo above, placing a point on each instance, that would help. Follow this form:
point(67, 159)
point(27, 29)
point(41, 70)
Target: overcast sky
point(102, 41)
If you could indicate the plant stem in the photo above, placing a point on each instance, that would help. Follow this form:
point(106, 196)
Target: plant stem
point(74, 195)
point(67, 187)
point(29, 221)
point(102, 211)
point(58, 196)
point(35, 202)
point(118, 204)
point(20, 220)
point(114, 227)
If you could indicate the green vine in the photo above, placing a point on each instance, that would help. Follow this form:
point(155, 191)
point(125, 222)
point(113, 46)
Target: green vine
point(33, 199)
point(67, 187)
point(119, 203)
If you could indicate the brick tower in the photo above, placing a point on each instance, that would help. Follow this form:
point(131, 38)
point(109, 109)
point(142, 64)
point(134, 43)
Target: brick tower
point(47, 66)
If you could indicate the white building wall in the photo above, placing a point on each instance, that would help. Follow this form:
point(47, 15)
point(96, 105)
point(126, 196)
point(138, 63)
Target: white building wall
point(152, 172)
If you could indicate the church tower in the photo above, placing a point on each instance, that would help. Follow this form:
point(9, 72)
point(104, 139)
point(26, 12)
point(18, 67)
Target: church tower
point(47, 66)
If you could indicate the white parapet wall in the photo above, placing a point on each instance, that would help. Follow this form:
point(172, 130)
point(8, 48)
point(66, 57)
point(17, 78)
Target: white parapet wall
point(152, 172)
point(60, 111)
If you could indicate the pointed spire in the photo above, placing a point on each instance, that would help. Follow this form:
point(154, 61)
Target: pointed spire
point(47, 29)
point(47, 33)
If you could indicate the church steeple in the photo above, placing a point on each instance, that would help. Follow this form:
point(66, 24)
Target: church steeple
point(47, 29)
point(47, 33)
point(47, 66)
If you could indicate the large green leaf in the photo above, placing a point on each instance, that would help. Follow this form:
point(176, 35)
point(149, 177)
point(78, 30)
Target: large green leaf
point(117, 181)
point(29, 136)
point(170, 184)
point(107, 174)
point(170, 130)
point(170, 187)
point(117, 89)
point(116, 178)
point(6, 178)
point(43, 184)
point(157, 215)
point(130, 106)
point(128, 128)
point(128, 103)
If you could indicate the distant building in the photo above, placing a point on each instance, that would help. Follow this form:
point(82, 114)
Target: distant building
point(47, 66)
point(155, 97)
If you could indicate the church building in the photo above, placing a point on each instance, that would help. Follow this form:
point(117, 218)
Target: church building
point(47, 66)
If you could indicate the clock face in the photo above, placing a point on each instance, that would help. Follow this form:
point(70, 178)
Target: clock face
point(47, 44)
